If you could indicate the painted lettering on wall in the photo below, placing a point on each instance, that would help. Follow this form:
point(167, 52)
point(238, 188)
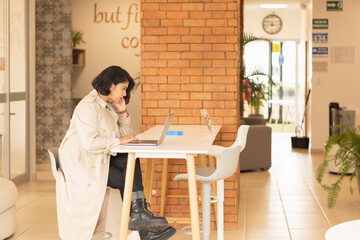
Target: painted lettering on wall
point(124, 19)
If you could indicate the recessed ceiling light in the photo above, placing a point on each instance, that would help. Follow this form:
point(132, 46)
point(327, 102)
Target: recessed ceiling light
point(273, 5)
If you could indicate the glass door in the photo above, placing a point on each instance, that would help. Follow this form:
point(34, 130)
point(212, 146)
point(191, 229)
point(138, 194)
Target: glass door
point(13, 92)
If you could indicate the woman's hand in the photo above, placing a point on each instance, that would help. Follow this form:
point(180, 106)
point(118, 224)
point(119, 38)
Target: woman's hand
point(121, 108)
point(126, 139)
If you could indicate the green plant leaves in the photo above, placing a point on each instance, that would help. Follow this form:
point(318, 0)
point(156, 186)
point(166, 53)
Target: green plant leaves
point(346, 146)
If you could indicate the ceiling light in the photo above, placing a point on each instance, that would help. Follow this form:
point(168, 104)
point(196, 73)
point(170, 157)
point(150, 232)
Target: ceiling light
point(273, 5)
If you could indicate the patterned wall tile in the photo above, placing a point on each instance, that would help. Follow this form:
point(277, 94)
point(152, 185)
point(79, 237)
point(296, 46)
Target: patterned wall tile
point(53, 74)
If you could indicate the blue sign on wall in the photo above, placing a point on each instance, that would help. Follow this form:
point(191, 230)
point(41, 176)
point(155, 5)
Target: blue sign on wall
point(281, 59)
point(319, 37)
point(320, 51)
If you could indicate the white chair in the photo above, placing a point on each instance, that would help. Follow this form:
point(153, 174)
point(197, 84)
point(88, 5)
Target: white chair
point(227, 160)
point(55, 166)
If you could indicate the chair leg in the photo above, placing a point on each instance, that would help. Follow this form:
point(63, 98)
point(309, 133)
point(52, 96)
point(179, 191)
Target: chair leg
point(164, 180)
point(206, 197)
point(212, 164)
point(220, 209)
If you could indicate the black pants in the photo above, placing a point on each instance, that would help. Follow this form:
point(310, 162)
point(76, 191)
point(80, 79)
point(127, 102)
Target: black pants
point(117, 173)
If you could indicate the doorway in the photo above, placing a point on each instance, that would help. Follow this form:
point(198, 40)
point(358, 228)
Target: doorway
point(14, 163)
point(285, 62)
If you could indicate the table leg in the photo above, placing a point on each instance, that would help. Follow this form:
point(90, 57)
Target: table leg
point(195, 227)
point(164, 180)
point(129, 179)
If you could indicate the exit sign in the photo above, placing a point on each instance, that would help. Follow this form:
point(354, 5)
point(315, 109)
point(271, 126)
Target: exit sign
point(334, 5)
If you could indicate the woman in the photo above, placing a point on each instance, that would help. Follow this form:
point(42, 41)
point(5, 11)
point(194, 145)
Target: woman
point(100, 122)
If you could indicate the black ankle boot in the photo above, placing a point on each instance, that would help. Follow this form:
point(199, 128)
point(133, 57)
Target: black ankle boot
point(163, 235)
point(142, 219)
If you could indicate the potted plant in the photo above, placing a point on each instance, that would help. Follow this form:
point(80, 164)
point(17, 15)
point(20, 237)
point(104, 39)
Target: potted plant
point(77, 37)
point(253, 87)
point(346, 155)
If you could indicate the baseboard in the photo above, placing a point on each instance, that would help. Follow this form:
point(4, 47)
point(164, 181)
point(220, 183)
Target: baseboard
point(43, 172)
point(317, 151)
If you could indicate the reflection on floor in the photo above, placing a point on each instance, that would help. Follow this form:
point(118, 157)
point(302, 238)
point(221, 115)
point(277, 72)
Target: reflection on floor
point(283, 203)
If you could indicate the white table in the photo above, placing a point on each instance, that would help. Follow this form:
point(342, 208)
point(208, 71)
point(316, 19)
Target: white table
point(344, 231)
point(196, 139)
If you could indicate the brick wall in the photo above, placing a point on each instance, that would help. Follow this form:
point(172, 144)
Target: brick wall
point(188, 62)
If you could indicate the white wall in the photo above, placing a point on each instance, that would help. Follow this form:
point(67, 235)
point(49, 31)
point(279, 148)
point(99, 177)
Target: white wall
point(107, 43)
point(293, 18)
point(341, 83)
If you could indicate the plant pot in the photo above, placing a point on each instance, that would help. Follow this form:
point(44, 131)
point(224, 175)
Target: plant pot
point(357, 176)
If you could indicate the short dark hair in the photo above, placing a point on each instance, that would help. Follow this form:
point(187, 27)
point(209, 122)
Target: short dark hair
point(113, 75)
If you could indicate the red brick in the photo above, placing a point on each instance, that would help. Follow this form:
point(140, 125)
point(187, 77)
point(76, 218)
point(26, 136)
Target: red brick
point(150, 55)
point(224, 96)
point(199, 31)
point(150, 103)
point(150, 87)
point(192, 55)
point(214, 55)
point(155, 47)
point(200, 96)
point(189, 120)
point(178, 95)
point(170, 6)
point(192, 6)
point(178, 63)
point(178, 79)
point(200, 14)
point(178, 30)
point(171, 23)
point(192, 39)
point(156, 79)
point(213, 104)
point(149, 71)
point(154, 14)
point(223, 14)
point(156, 63)
point(200, 79)
point(214, 39)
point(224, 63)
point(169, 39)
point(153, 96)
point(191, 87)
point(214, 71)
point(169, 71)
point(191, 104)
point(215, 6)
point(158, 112)
point(194, 22)
point(223, 31)
point(154, 31)
point(169, 87)
point(224, 79)
point(178, 47)
point(200, 47)
point(149, 6)
point(191, 71)
point(169, 55)
point(151, 22)
point(214, 88)
point(224, 47)
point(177, 15)
point(200, 63)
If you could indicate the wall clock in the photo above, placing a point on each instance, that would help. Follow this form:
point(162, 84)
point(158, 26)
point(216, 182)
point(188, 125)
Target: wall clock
point(272, 24)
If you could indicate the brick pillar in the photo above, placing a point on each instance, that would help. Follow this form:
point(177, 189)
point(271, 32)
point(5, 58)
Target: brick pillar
point(188, 62)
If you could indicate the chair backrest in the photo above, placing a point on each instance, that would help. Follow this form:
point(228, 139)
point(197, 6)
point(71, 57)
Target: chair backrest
point(228, 160)
point(54, 159)
point(241, 136)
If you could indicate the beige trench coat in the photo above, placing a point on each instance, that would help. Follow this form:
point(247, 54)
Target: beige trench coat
point(84, 156)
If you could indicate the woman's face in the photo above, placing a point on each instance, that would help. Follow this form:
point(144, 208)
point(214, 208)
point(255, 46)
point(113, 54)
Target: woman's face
point(118, 92)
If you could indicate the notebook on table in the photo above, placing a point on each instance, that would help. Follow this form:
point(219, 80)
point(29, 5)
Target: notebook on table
point(140, 142)
point(207, 120)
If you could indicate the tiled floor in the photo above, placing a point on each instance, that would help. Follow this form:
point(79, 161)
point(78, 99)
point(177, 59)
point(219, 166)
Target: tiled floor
point(285, 202)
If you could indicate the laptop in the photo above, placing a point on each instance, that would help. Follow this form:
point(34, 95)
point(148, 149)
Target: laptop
point(140, 142)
